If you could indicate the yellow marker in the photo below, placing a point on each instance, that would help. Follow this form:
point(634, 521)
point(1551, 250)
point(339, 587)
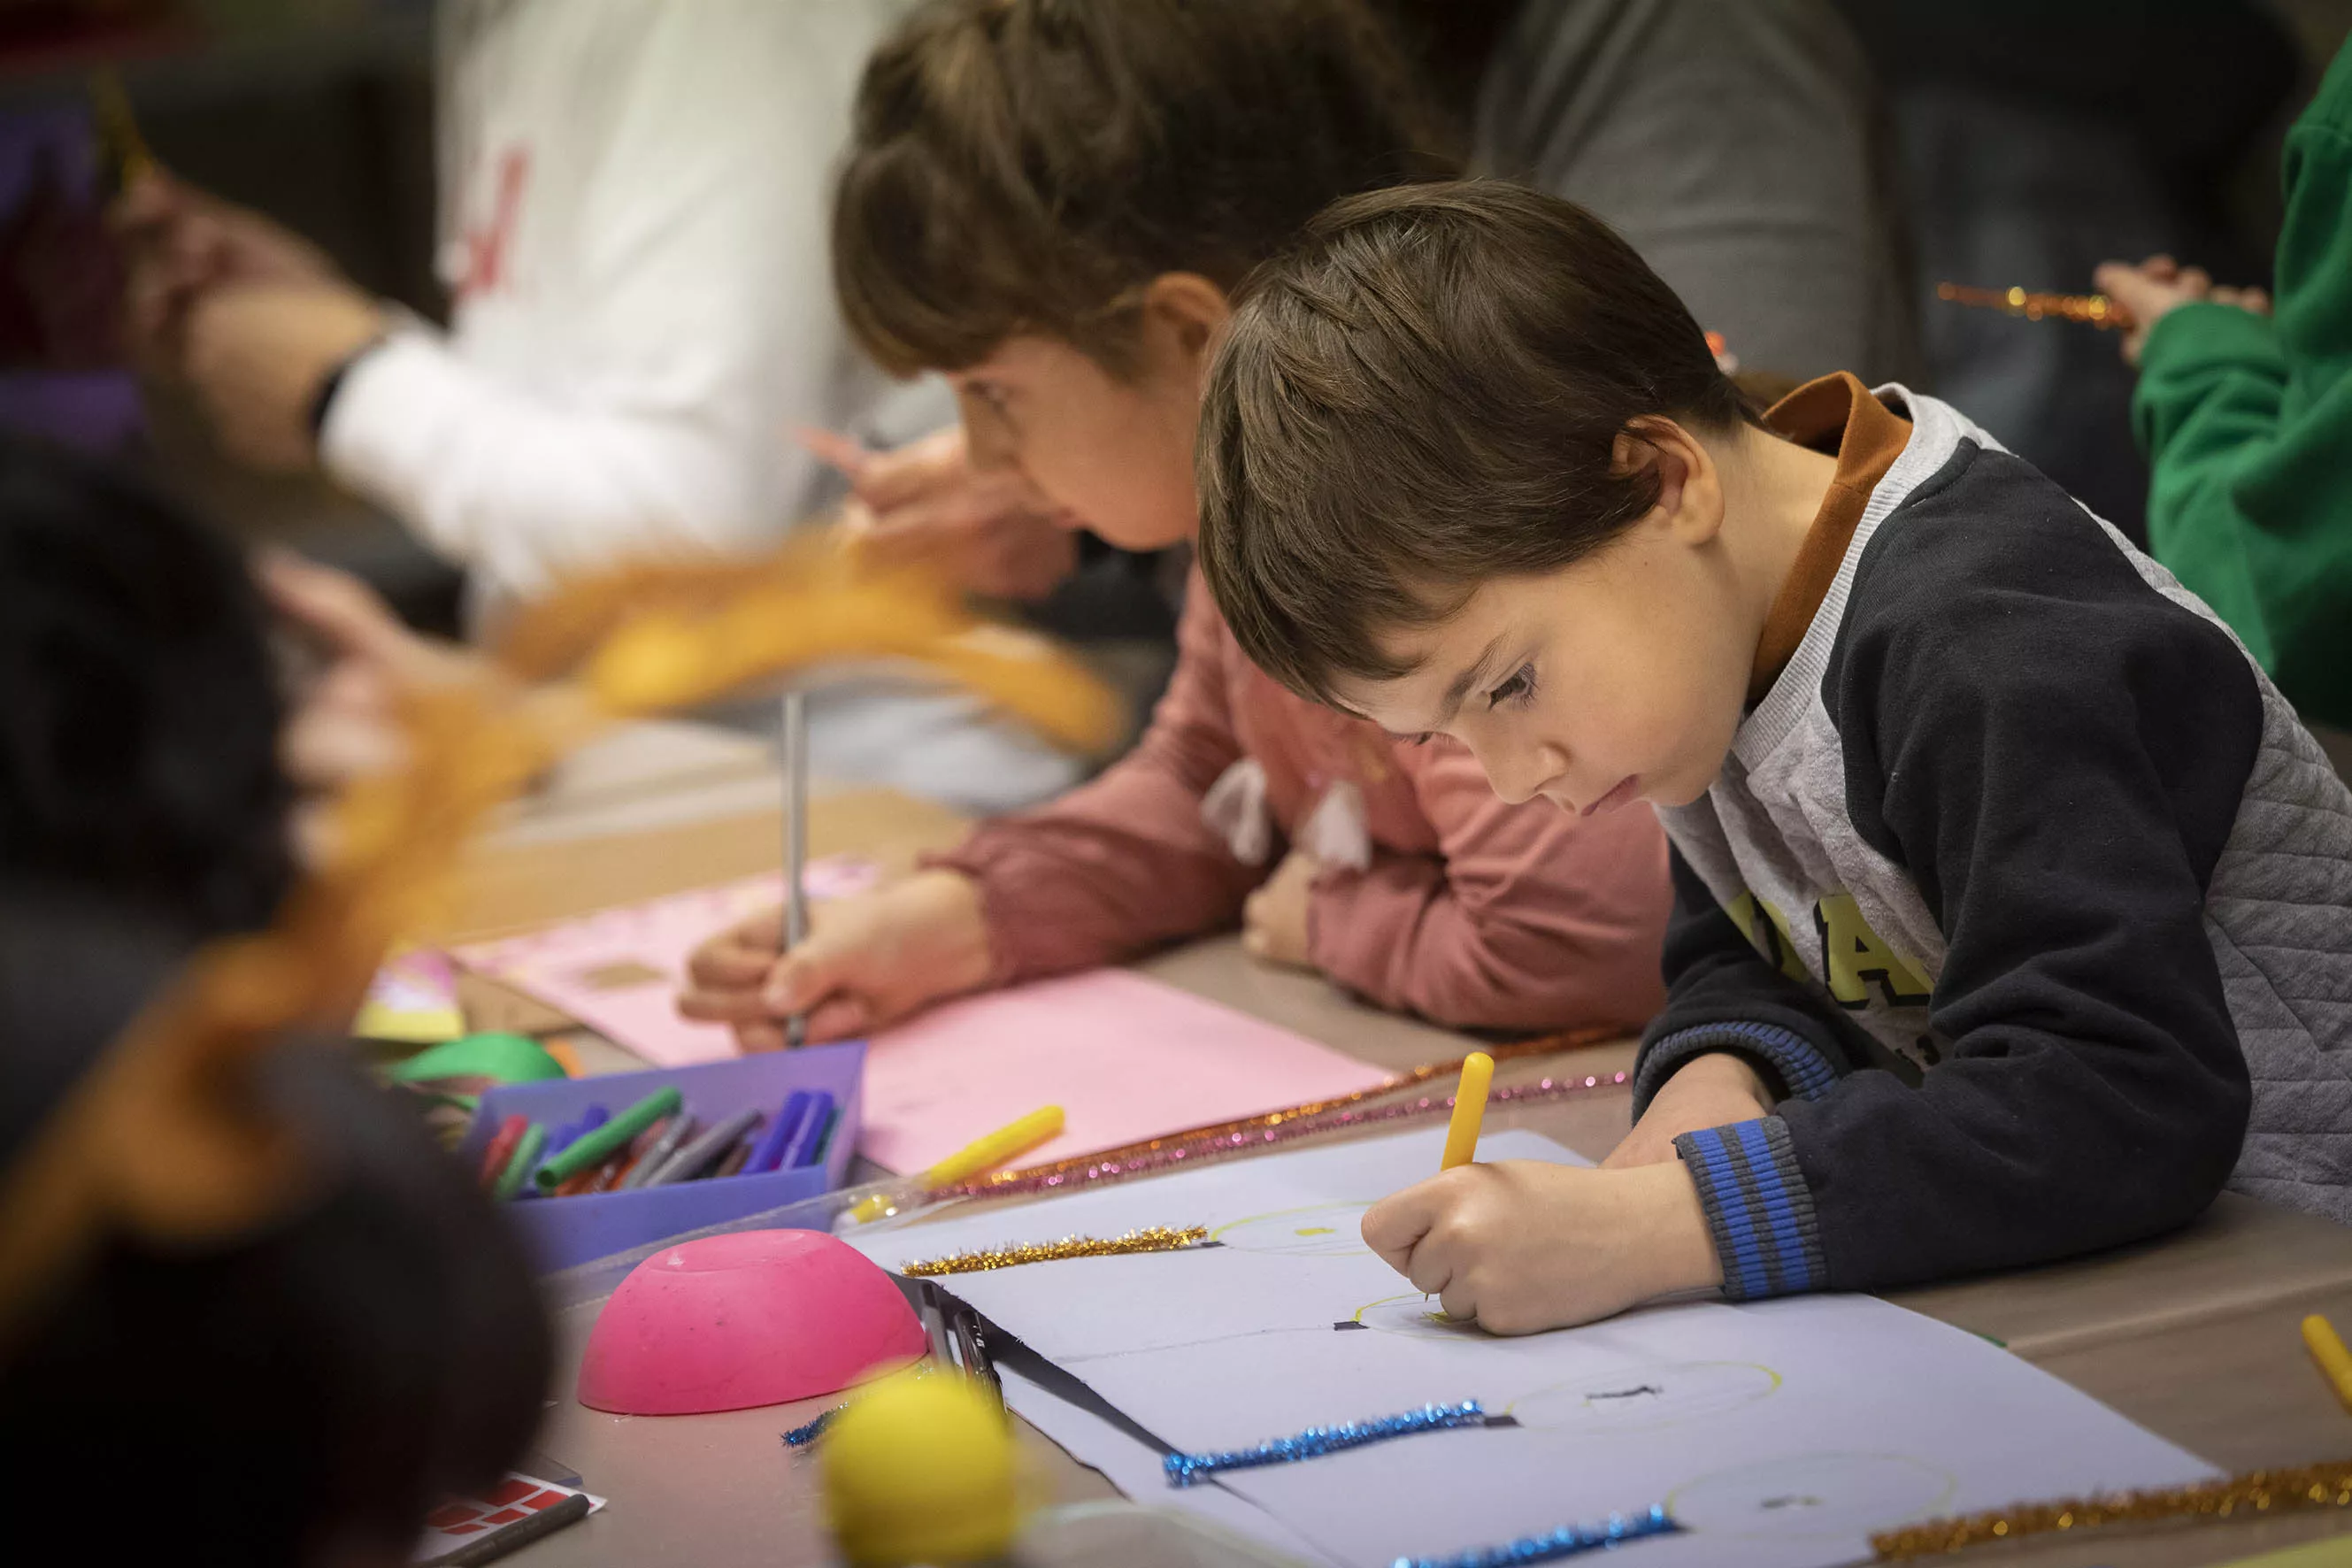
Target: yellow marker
point(1006, 1142)
point(2328, 1350)
point(1469, 1111)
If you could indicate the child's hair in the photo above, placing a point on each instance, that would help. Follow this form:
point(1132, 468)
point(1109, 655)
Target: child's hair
point(1424, 393)
point(303, 1393)
point(139, 712)
point(1028, 165)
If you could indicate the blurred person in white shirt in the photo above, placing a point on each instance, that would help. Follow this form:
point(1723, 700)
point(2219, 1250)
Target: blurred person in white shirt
point(634, 217)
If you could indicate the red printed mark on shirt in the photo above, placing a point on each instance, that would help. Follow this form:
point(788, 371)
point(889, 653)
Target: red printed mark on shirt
point(488, 246)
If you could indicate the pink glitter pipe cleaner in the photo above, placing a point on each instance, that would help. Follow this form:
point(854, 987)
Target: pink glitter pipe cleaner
point(1220, 1143)
point(1313, 1109)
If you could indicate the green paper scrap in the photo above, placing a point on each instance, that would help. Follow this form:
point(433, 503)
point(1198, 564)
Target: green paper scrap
point(526, 1155)
point(595, 1148)
point(496, 1056)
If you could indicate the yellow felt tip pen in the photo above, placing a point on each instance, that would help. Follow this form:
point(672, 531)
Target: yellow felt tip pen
point(2327, 1349)
point(1469, 1111)
point(1008, 1141)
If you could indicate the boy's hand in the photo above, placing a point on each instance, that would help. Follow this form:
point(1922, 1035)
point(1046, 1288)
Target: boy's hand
point(344, 725)
point(258, 355)
point(1522, 1245)
point(924, 503)
point(181, 243)
point(2158, 286)
point(868, 961)
point(1274, 919)
point(1712, 1091)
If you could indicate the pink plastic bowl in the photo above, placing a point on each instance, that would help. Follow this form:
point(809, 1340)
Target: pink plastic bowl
point(763, 1317)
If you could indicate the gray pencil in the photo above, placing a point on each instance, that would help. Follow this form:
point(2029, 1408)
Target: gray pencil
point(689, 1161)
point(796, 770)
point(658, 1151)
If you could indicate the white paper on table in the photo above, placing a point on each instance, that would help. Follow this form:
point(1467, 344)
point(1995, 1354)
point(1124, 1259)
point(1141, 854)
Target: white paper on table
point(1779, 1433)
point(1134, 1467)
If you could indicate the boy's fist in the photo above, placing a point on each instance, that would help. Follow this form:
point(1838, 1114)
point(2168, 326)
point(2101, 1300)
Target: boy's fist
point(1522, 1245)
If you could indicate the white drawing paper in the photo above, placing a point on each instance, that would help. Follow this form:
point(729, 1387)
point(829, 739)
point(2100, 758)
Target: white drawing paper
point(1779, 1433)
point(1134, 1468)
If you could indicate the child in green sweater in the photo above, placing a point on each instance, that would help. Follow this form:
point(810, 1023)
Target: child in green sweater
point(2246, 413)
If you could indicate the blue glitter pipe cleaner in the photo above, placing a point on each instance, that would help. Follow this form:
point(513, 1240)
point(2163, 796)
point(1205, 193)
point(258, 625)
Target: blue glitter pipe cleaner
point(1183, 1469)
point(802, 1436)
point(1567, 1541)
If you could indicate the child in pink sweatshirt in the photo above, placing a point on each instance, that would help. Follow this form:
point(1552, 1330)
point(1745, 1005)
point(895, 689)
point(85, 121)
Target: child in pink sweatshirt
point(1051, 210)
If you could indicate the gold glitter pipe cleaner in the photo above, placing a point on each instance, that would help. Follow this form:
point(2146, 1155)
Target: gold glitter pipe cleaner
point(2256, 1492)
point(1158, 1238)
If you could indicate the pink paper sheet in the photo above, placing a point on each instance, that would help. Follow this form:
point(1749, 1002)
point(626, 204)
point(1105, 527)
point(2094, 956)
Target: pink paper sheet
point(618, 971)
point(1126, 1058)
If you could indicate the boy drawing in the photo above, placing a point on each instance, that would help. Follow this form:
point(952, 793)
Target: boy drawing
point(2013, 906)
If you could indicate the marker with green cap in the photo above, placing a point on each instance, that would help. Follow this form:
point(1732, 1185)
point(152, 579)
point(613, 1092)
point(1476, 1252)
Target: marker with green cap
point(526, 1155)
point(595, 1148)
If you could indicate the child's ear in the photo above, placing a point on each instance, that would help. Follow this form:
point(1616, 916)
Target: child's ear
point(1191, 310)
point(1690, 488)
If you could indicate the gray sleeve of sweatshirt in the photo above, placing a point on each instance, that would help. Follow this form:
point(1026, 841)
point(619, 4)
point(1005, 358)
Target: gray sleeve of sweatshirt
point(1735, 146)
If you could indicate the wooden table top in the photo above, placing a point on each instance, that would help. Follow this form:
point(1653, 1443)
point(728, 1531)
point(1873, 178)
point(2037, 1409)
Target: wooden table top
point(2193, 1336)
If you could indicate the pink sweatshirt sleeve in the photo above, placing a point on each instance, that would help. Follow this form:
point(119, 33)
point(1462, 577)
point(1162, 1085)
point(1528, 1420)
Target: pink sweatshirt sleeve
point(1123, 864)
point(1526, 918)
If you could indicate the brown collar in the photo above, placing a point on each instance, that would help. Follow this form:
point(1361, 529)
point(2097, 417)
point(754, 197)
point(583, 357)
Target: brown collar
point(1835, 413)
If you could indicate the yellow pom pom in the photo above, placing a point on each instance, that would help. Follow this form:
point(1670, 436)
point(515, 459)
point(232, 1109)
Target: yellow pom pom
point(920, 1469)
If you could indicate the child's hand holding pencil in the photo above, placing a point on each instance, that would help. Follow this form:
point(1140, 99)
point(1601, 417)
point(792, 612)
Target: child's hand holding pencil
point(869, 961)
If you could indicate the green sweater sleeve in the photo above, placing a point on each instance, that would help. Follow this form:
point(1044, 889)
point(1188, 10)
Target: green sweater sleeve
point(2246, 421)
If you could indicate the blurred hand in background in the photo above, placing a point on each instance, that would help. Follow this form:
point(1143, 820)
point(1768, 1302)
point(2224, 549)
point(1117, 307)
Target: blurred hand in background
point(2158, 286)
point(924, 504)
point(343, 724)
point(249, 316)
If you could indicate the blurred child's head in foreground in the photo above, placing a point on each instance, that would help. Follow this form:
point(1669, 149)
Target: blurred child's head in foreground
point(300, 1391)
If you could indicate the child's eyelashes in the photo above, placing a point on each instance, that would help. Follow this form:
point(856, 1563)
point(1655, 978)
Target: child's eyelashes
point(1518, 688)
point(1518, 691)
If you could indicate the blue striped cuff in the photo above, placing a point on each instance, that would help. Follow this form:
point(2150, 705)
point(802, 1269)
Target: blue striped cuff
point(1806, 1072)
point(1757, 1207)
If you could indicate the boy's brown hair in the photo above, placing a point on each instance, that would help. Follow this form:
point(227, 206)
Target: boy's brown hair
point(1028, 165)
point(1424, 393)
